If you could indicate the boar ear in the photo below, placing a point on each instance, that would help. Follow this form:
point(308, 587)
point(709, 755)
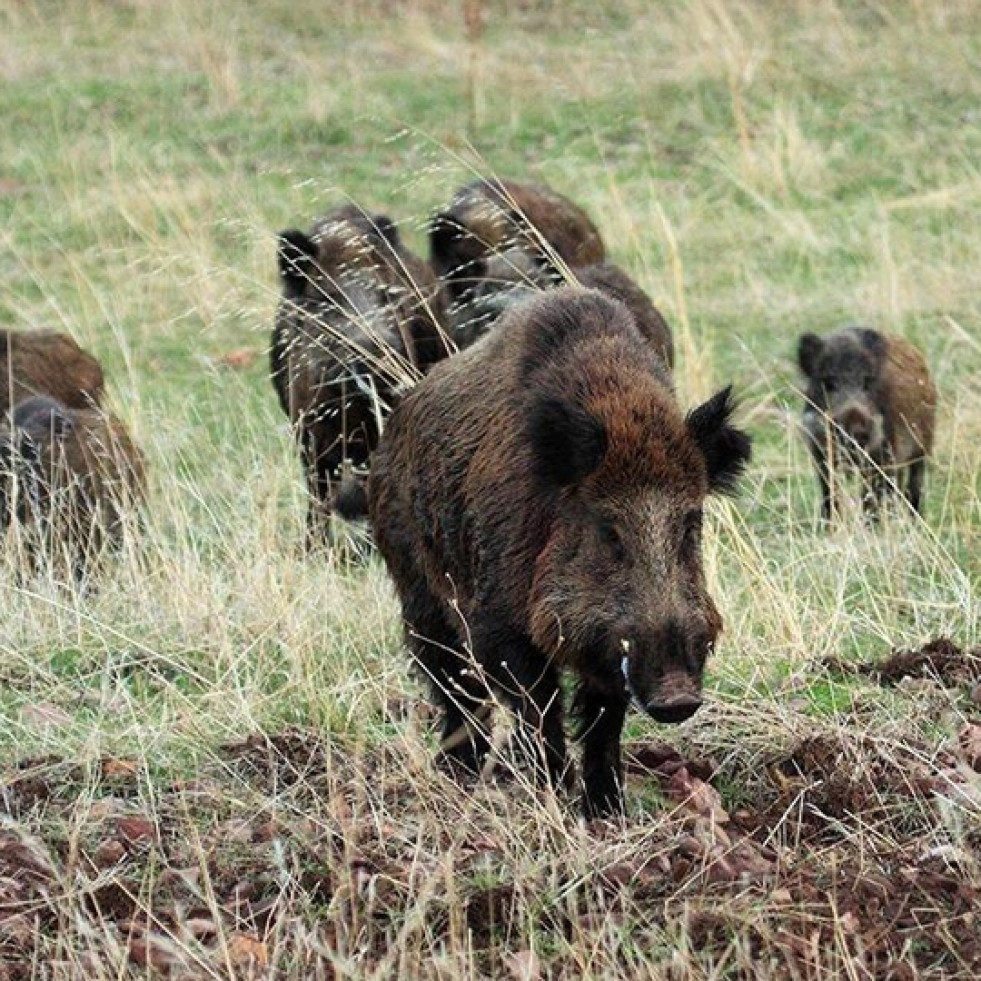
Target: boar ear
point(568, 443)
point(297, 257)
point(385, 227)
point(444, 233)
point(808, 351)
point(725, 448)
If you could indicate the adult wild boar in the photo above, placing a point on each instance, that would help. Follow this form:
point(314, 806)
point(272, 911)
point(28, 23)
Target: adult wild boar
point(538, 502)
point(869, 405)
point(68, 478)
point(491, 215)
point(503, 279)
point(44, 362)
point(360, 316)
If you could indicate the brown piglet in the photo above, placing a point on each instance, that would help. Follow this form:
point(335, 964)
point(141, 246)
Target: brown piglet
point(869, 406)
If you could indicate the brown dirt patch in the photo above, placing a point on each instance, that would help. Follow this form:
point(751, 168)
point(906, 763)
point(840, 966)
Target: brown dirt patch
point(291, 836)
point(939, 660)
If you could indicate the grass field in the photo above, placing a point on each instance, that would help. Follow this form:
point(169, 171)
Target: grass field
point(218, 764)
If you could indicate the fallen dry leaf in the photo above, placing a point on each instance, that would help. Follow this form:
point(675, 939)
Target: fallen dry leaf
point(112, 767)
point(239, 359)
point(136, 830)
point(695, 795)
point(247, 950)
point(109, 853)
point(200, 927)
point(153, 951)
point(523, 965)
point(45, 715)
point(17, 928)
point(19, 852)
point(969, 742)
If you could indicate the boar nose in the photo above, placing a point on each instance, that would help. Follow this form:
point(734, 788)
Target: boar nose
point(673, 709)
point(857, 424)
point(677, 697)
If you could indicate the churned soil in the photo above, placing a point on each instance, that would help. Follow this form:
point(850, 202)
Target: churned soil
point(940, 660)
point(838, 856)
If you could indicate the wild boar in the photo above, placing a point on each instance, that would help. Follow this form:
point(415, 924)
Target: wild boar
point(359, 317)
point(492, 215)
point(869, 405)
point(538, 502)
point(68, 478)
point(44, 362)
point(509, 277)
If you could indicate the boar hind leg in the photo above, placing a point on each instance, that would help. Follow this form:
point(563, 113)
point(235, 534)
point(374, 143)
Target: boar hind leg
point(914, 484)
point(456, 685)
point(601, 723)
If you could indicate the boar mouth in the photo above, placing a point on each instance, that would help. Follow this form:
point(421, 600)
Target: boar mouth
point(677, 705)
point(675, 709)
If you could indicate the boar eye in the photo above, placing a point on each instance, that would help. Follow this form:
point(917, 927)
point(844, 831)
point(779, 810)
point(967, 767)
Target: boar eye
point(611, 538)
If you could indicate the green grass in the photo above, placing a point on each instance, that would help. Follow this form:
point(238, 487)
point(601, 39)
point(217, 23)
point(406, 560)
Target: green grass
point(762, 169)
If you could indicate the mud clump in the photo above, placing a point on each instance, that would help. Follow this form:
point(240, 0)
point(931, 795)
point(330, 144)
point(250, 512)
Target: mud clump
point(760, 890)
point(940, 659)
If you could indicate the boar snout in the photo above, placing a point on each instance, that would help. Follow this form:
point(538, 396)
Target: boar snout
point(678, 698)
point(857, 423)
point(668, 686)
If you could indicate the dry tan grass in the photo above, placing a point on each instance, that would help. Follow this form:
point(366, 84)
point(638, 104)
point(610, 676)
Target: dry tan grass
point(761, 169)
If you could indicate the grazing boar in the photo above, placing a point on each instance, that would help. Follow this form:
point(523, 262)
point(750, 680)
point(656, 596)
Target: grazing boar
point(359, 316)
point(492, 215)
point(68, 479)
point(44, 362)
point(869, 405)
point(515, 275)
point(538, 501)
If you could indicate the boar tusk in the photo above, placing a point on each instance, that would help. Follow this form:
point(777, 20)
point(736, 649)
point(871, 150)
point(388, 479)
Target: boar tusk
point(625, 670)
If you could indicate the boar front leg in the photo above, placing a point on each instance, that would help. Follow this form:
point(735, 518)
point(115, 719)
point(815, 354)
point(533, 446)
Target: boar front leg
point(914, 484)
point(601, 716)
point(529, 682)
point(821, 445)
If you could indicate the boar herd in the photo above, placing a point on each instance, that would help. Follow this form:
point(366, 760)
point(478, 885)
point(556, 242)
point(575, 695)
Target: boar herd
point(505, 417)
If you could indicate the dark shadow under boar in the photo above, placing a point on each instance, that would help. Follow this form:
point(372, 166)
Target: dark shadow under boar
point(44, 362)
point(870, 405)
point(538, 501)
point(68, 478)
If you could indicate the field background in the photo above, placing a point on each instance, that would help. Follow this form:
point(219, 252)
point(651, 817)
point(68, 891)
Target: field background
point(762, 169)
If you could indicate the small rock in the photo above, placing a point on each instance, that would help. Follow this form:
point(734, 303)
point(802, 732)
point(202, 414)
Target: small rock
point(136, 830)
point(109, 853)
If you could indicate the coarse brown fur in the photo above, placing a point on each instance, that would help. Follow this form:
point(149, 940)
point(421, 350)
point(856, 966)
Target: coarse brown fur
point(44, 362)
point(360, 316)
point(537, 500)
point(516, 275)
point(492, 215)
point(68, 478)
point(870, 405)
point(614, 282)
